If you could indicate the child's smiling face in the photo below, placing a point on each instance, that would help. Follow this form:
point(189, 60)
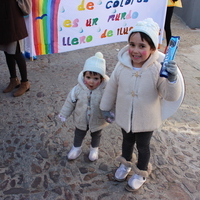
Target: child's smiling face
point(139, 50)
point(91, 80)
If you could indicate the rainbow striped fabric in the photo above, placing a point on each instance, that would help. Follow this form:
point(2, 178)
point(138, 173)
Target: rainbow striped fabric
point(45, 31)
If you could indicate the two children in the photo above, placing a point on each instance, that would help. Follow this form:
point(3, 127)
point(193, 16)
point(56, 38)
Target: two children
point(83, 102)
point(135, 89)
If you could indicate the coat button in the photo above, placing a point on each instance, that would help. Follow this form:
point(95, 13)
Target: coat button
point(133, 93)
point(136, 74)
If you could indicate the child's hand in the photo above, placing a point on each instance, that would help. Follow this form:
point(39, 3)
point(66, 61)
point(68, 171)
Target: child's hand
point(108, 116)
point(171, 68)
point(63, 119)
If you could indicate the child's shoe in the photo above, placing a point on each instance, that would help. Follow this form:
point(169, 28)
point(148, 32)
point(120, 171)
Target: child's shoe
point(122, 172)
point(135, 182)
point(93, 153)
point(74, 153)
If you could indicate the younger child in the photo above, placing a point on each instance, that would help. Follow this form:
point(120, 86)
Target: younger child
point(83, 102)
point(135, 89)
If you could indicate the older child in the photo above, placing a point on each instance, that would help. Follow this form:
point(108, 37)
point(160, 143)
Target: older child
point(136, 88)
point(83, 102)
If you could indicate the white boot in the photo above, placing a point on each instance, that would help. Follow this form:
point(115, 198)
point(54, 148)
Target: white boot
point(139, 178)
point(93, 153)
point(122, 172)
point(135, 182)
point(74, 153)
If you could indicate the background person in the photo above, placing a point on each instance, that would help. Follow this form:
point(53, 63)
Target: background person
point(170, 9)
point(13, 30)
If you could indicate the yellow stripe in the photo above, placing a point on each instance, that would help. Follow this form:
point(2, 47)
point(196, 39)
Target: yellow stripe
point(42, 45)
point(176, 4)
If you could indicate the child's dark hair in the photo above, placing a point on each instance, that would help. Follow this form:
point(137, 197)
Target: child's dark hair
point(144, 36)
point(93, 73)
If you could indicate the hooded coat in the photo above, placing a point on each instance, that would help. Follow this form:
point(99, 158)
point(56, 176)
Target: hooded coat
point(83, 104)
point(136, 95)
point(12, 22)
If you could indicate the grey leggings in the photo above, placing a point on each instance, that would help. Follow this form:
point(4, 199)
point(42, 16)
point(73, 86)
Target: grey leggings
point(80, 135)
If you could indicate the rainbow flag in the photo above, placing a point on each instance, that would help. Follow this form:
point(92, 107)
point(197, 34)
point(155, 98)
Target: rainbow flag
point(45, 28)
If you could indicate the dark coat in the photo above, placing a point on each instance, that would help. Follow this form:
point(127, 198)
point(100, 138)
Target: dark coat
point(12, 24)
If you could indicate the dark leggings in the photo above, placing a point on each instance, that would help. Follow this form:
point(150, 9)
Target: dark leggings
point(142, 141)
point(12, 59)
point(80, 135)
point(168, 23)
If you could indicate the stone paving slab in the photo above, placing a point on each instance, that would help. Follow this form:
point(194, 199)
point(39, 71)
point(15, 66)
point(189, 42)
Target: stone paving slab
point(34, 143)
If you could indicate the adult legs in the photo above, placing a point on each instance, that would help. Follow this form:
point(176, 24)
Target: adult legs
point(11, 63)
point(12, 60)
point(14, 81)
point(168, 23)
point(21, 63)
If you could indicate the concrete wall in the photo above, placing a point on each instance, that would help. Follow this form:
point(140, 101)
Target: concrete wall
point(189, 13)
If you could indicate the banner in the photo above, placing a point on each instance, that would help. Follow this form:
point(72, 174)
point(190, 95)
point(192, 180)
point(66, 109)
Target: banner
point(57, 26)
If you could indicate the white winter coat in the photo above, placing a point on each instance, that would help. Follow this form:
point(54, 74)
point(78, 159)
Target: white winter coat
point(81, 108)
point(136, 95)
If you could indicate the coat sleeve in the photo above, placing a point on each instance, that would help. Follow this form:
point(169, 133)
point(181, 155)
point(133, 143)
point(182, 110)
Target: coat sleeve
point(110, 93)
point(68, 106)
point(169, 91)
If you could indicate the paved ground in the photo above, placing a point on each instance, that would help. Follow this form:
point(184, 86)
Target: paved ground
point(34, 143)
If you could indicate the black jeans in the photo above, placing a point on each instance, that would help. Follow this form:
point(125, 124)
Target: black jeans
point(80, 135)
point(142, 141)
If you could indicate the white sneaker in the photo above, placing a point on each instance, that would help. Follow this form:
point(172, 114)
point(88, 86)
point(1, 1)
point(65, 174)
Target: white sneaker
point(122, 172)
point(93, 153)
point(74, 153)
point(135, 182)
